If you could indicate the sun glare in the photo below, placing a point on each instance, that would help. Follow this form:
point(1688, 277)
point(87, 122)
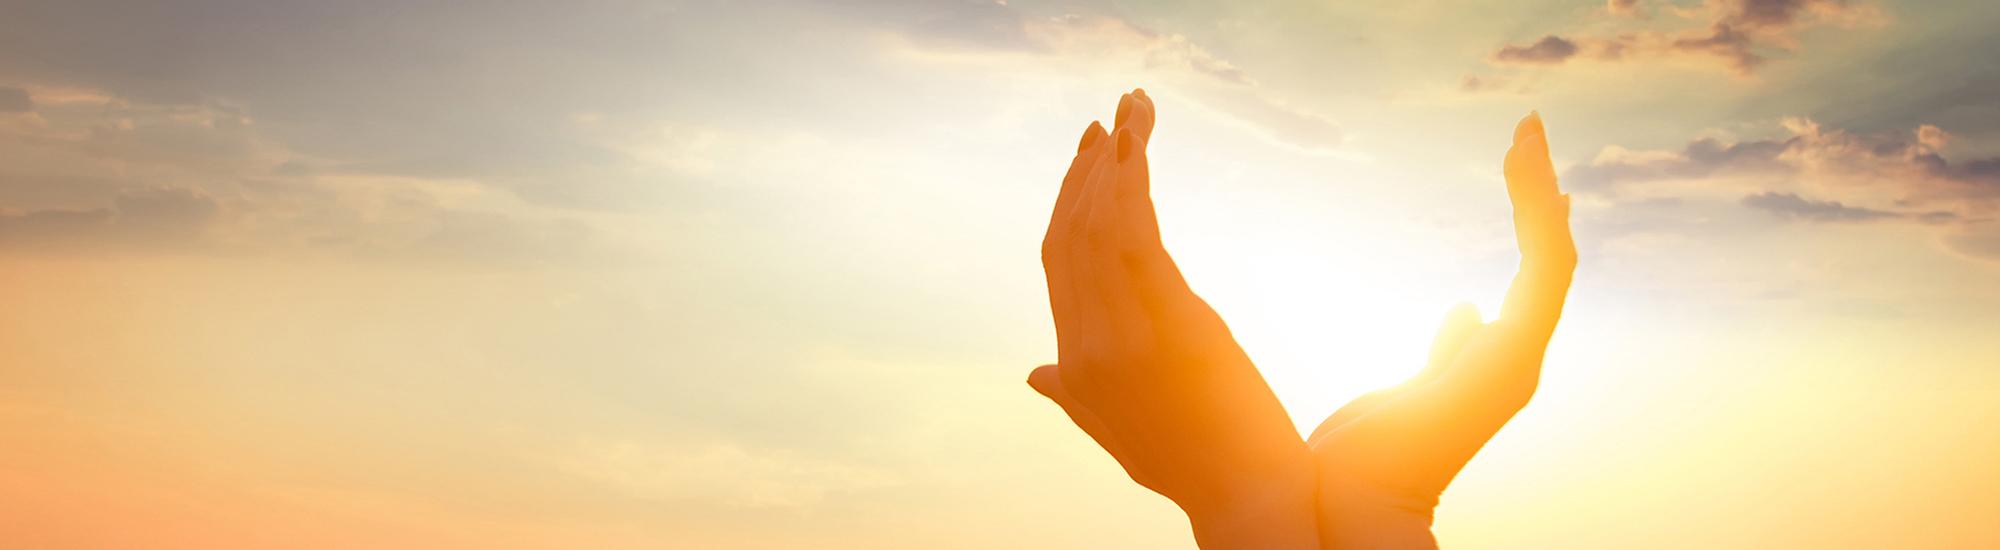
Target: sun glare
point(1322, 332)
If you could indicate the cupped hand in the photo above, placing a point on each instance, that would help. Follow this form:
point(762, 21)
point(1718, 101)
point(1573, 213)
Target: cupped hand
point(1385, 458)
point(1149, 371)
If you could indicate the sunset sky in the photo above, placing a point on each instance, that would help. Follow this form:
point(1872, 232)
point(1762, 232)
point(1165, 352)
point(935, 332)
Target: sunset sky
point(765, 274)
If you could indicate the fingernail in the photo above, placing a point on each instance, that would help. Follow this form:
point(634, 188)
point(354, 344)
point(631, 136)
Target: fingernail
point(1124, 110)
point(1124, 144)
point(1089, 136)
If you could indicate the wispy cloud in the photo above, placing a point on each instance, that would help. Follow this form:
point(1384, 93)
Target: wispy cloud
point(89, 170)
point(1106, 43)
point(1549, 50)
point(1793, 206)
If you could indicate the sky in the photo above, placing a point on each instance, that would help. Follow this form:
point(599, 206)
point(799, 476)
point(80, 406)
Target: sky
point(765, 274)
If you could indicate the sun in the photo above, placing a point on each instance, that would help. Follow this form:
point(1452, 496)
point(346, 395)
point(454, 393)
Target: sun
point(1320, 331)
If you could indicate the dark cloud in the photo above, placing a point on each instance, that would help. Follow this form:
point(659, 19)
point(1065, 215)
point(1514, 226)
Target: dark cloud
point(15, 100)
point(1909, 160)
point(1737, 32)
point(1887, 177)
point(1700, 158)
point(1725, 42)
point(1792, 206)
point(1549, 50)
point(1983, 172)
point(1770, 13)
point(1734, 36)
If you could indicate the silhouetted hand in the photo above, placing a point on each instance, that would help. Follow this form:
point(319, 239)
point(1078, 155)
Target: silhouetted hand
point(1149, 371)
point(1385, 457)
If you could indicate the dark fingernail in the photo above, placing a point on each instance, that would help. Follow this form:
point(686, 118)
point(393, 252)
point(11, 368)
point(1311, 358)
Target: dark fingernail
point(1089, 136)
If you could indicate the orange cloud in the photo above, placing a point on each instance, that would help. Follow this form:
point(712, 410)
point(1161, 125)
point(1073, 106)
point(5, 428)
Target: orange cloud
point(1850, 177)
point(1738, 33)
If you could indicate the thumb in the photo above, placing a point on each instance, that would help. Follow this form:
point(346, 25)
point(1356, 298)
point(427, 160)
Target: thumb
point(1459, 325)
point(1046, 380)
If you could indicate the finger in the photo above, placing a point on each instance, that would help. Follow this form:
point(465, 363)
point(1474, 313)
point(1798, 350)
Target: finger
point(1541, 226)
point(1155, 276)
point(1106, 237)
point(1459, 325)
point(1136, 112)
point(1093, 136)
point(1047, 380)
point(1055, 264)
point(1087, 380)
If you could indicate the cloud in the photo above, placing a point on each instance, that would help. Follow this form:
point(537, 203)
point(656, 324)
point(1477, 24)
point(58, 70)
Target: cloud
point(1616, 166)
point(15, 100)
point(94, 171)
point(1549, 50)
point(1213, 81)
point(1738, 33)
point(1114, 38)
point(1980, 240)
point(1104, 44)
point(1623, 7)
point(159, 216)
point(1792, 206)
point(1283, 123)
point(164, 211)
point(1884, 177)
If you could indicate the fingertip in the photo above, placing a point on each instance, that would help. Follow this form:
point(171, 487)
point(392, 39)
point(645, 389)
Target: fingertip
point(1462, 313)
point(1045, 381)
point(1091, 135)
point(1529, 127)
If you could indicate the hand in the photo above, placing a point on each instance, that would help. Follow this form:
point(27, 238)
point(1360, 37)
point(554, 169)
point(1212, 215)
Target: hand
point(1149, 371)
point(1386, 457)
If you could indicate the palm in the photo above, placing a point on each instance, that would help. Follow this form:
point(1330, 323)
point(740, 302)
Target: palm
point(1386, 457)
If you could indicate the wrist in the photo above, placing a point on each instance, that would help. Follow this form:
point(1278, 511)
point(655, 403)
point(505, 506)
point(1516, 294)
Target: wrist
point(1278, 519)
point(1362, 516)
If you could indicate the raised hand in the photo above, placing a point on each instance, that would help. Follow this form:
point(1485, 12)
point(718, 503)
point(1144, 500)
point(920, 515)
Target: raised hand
point(1149, 371)
point(1386, 457)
